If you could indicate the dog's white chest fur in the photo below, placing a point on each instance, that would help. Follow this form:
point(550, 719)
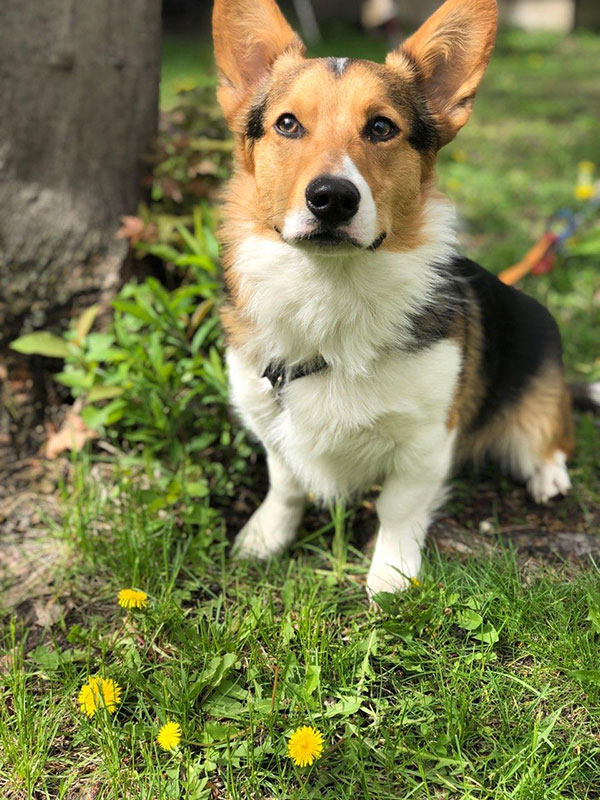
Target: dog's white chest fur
point(378, 405)
point(340, 433)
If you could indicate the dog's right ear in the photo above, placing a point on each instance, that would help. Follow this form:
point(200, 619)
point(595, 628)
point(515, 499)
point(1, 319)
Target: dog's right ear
point(249, 36)
point(452, 49)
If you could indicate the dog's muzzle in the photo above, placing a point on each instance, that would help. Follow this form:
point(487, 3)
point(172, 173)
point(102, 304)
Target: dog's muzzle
point(332, 200)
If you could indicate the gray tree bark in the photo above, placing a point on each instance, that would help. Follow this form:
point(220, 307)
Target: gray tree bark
point(78, 112)
point(587, 14)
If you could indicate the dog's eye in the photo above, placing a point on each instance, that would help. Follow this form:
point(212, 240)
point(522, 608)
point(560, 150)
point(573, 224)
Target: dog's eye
point(380, 129)
point(288, 125)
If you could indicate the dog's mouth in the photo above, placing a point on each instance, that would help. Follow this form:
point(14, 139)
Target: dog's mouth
point(329, 238)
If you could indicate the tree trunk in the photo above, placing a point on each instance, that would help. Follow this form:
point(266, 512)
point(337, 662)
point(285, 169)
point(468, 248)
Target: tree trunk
point(78, 112)
point(587, 14)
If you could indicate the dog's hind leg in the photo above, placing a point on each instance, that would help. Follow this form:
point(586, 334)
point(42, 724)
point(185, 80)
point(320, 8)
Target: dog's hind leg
point(534, 439)
point(274, 524)
point(550, 478)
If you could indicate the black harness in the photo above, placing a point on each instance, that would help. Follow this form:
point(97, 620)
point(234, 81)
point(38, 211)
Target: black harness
point(280, 375)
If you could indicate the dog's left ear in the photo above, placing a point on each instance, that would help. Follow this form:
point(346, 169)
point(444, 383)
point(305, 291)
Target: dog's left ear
point(451, 51)
point(249, 36)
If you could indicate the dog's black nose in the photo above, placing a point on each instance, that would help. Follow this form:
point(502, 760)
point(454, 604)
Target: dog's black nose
point(331, 199)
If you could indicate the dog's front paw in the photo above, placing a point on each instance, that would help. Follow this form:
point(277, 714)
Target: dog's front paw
point(384, 577)
point(253, 542)
point(267, 534)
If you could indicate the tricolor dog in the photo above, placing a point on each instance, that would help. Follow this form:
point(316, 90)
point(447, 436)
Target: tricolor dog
point(362, 348)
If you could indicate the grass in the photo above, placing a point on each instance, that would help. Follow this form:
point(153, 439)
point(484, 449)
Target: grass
point(480, 682)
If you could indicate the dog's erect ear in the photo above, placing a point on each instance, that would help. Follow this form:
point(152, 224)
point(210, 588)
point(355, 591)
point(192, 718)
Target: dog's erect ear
point(451, 50)
point(249, 36)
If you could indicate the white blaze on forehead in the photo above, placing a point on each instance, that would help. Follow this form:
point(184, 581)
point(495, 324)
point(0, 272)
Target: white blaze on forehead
point(363, 224)
point(340, 65)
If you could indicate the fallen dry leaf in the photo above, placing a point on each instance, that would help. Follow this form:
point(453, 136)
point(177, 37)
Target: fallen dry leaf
point(136, 230)
point(47, 612)
point(171, 189)
point(73, 434)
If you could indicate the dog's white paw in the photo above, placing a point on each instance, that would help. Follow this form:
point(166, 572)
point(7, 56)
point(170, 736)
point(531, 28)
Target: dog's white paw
point(384, 577)
point(550, 479)
point(268, 532)
point(254, 542)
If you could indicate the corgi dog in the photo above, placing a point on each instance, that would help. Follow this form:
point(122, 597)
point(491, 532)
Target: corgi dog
point(362, 347)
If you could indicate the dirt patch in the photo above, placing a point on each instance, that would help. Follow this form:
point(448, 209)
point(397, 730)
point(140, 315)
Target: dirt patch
point(487, 509)
point(484, 511)
point(29, 557)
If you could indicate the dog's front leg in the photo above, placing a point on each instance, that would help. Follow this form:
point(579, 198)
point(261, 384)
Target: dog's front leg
point(274, 524)
point(405, 507)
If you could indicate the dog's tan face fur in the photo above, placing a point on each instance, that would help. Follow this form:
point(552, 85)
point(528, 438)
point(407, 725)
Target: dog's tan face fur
point(334, 112)
point(425, 90)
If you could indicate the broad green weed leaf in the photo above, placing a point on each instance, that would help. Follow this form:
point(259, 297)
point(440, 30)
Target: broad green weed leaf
point(217, 732)
point(98, 393)
point(96, 418)
point(594, 611)
point(197, 489)
point(312, 680)
point(190, 240)
point(75, 379)
point(488, 634)
point(98, 345)
point(469, 620)
point(344, 707)
point(586, 675)
point(129, 307)
point(47, 658)
point(41, 343)
point(211, 677)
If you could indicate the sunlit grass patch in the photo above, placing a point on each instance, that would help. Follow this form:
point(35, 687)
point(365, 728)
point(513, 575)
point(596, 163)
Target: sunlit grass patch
point(481, 680)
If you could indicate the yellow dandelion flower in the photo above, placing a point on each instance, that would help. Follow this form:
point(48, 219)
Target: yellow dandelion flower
point(97, 693)
point(305, 746)
point(132, 598)
point(169, 736)
point(415, 582)
point(584, 191)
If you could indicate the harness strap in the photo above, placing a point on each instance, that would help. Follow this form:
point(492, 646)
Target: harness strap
point(279, 375)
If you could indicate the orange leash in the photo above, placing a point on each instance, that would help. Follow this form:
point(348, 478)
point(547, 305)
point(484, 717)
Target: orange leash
point(532, 258)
